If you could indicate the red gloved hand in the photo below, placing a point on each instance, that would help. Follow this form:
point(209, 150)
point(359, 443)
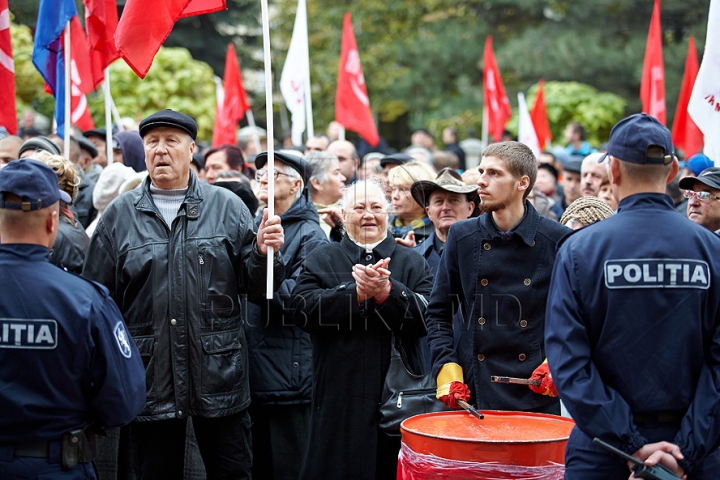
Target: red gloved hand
point(547, 386)
point(457, 391)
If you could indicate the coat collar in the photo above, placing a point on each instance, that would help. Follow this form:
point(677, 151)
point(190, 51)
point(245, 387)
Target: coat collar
point(526, 229)
point(193, 197)
point(355, 253)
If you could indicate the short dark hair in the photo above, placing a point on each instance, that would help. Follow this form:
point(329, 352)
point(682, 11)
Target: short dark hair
point(235, 159)
point(579, 129)
point(518, 158)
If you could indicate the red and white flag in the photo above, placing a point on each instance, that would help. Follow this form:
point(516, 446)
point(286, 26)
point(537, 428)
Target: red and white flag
point(81, 77)
point(8, 115)
point(526, 130)
point(497, 105)
point(540, 119)
point(234, 101)
point(685, 134)
point(652, 87)
point(101, 22)
point(704, 107)
point(144, 26)
point(352, 104)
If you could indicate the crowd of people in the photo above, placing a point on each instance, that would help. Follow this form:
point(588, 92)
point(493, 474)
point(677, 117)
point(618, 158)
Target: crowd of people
point(588, 269)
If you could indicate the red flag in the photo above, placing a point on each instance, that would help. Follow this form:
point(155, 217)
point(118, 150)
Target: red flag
point(496, 101)
point(101, 21)
point(234, 103)
point(352, 104)
point(8, 115)
point(81, 78)
point(539, 117)
point(652, 88)
point(144, 26)
point(685, 134)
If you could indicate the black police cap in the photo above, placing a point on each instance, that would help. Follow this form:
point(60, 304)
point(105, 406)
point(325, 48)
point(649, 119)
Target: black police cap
point(169, 118)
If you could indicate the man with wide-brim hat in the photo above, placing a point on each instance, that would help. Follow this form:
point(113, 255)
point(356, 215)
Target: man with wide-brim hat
point(278, 350)
point(178, 255)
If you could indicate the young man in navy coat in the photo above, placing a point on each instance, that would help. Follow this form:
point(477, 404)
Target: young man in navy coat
point(496, 270)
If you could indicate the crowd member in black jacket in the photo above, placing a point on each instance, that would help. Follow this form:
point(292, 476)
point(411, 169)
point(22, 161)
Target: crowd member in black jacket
point(352, 297)
point(177, 255)
point(281, 353)
point(71, 243)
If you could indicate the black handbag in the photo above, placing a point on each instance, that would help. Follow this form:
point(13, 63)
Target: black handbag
point(405, 393)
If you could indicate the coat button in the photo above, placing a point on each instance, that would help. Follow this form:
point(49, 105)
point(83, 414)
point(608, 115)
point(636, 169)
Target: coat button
point(533, 243)
point(179, 413)
point(487, 246)
point(404, 294)
point(523, 323)
point(522, 357)
point(481, 320)
point(484, 282)
point(296, 364)
point(173, 322)
point(527, 282)
point(481, 357)
point(368, 257)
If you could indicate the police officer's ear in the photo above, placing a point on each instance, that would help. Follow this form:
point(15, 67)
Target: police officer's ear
point(52, 221)
point(674, 169)
point(614, 170)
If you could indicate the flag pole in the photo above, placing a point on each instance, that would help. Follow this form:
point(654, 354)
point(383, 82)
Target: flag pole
point(116, 114)
point(108, 118)
point(270, 166)
point(255, 136)
point(341, 133)
point(308, 95)
point(68, 99)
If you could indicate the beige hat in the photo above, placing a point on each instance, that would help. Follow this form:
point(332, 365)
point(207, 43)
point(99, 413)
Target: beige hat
point(448, 180)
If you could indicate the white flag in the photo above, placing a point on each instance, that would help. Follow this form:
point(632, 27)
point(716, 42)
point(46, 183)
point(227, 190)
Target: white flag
point(295, 77)
point(704, 106)
point(526, 130)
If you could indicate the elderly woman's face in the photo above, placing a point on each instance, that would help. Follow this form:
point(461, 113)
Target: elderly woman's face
point(366, 217)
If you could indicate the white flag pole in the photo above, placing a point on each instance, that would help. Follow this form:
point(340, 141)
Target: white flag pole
point(255, 136)
point(108, 118)
point(68, 86)
point(270, 166)
point(341, 133)
point(308, 95)
point(484, 138)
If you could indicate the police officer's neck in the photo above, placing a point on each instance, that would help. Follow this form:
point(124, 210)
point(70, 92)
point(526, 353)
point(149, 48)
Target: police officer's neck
point(509, 217)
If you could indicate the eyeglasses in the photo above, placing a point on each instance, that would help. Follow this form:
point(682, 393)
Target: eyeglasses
point(262, 172)
point(702, 196)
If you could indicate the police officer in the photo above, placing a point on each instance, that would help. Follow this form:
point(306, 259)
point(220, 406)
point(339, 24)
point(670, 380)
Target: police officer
point(66, 359)
point(632, 332)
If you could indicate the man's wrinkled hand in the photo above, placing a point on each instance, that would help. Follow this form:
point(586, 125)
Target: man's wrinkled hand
point(270, 234)
point(664, 453)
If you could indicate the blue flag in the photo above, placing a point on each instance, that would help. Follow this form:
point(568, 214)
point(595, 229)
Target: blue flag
point(47, 53)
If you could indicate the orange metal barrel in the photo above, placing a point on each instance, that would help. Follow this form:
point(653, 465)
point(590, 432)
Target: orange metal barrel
point(508, 438)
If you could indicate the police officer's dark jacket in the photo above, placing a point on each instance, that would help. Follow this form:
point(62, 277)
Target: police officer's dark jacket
point(634, 325)
point(179, 291)
point(501, 285)
point(281, 353)
point(65, 357)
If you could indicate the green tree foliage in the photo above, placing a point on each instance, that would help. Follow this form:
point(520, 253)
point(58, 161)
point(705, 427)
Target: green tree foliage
point(174, 81)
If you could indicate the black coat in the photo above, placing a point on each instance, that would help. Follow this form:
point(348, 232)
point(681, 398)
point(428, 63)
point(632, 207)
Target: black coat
point(351, 351)
point(501, 285)
point(179, 291)
point(281, 353)
point(70, 245)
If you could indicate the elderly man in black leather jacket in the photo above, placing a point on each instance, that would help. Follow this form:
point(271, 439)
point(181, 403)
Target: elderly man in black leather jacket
point(177, 255)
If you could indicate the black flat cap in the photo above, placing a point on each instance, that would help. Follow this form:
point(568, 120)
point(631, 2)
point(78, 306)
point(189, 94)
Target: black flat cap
point(96, 132)
point(169, 118)
point(709, 176)
point(396, 159)
point(573, 166)
point(297, 163)
point(86, 145)
point(40, 143)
